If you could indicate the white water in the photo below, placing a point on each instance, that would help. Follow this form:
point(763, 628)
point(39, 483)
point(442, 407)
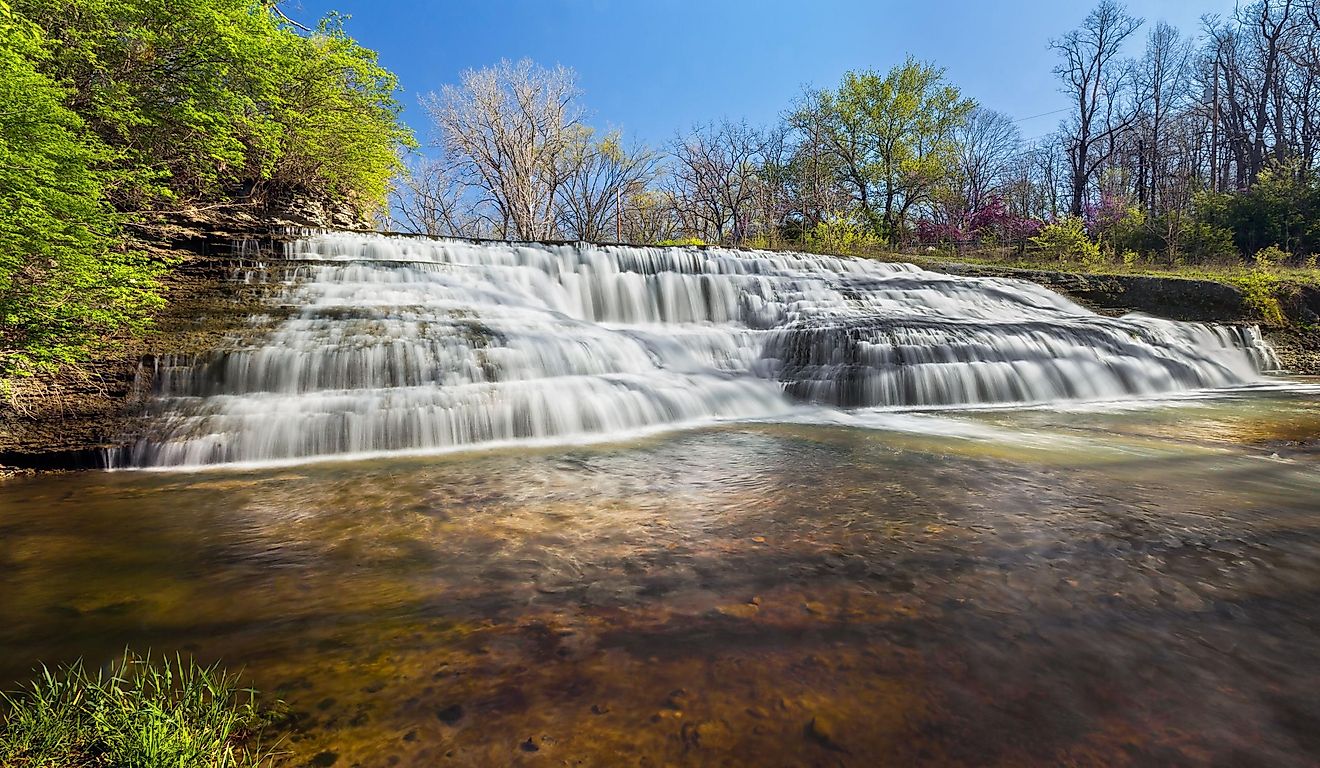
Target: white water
point(414, 345)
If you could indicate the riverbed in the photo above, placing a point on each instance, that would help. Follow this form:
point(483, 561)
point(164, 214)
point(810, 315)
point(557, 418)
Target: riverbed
point(1128, 583)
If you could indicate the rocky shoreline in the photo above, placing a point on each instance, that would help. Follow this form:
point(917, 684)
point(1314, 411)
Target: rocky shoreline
point(69, 421)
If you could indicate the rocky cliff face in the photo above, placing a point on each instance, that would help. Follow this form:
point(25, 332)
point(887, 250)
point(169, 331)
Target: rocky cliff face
point(64, 421)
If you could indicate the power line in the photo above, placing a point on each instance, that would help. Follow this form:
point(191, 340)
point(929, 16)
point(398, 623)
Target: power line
point(1042, 114)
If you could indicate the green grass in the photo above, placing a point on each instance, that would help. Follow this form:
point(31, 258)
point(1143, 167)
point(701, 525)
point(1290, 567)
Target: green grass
point(1009, 258)
point(1228, 273)
point(136, 714)
point(1262, 288)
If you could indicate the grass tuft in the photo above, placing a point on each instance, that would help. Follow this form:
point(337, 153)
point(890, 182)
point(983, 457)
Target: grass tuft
point(137, 713)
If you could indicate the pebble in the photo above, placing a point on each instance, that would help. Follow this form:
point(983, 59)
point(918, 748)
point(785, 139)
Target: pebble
point(740, 611)
point(823, 732)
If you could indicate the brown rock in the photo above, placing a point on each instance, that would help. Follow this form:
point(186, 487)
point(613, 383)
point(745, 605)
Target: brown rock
point(823, 732)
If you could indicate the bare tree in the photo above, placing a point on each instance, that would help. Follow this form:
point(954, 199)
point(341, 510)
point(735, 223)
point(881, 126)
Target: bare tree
point(430, 199)
point(600, 179)
point(1092, 76)
point(506, 129)
point(1162, 88)
point(987, 145)
point(649, 216)
point(713, 179)
point(815, 184)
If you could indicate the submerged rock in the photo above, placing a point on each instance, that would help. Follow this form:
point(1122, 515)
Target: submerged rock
point(823, 731)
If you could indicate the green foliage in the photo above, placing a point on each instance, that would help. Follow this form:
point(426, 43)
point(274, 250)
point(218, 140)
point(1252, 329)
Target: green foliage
point(1282, 208)
point(893, 136)
point(340, 127)
point(1260, 292)
point(65, 282)
point(681, 242)
point(140, 714)
point(116, 107)
point(1270, 257)
point(841, 234)
point(1067, 239)
point(1130, 231)
point(205, 99)
point(1204, 242)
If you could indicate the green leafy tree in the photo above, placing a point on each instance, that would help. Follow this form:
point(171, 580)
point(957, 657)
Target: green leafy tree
point(65, 282)
point(340, 130)
point(893, 138)
point(212, 100)
point(1281, 209)
point(117, 108)
point(178, 90)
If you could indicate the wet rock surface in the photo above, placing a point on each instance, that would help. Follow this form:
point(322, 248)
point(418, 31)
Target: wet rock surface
point(1297, 344)
point(68, 421)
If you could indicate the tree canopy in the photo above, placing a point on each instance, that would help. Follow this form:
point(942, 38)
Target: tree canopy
point(116, 109)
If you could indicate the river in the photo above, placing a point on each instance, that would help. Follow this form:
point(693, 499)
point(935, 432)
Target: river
point(655, 564)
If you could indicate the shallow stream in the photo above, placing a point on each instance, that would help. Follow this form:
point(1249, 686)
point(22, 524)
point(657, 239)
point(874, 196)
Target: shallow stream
point(1131, 583)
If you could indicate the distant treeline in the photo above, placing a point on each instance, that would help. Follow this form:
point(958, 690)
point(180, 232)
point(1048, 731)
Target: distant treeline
point(1203, 148)
point(115, 110)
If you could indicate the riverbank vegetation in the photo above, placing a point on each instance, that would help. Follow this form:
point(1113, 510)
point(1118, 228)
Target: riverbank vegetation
point(138, 712)
point(115, 112)
point(1197, 147)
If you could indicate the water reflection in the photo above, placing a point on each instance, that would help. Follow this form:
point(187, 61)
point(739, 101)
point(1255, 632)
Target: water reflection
point(1103, 586)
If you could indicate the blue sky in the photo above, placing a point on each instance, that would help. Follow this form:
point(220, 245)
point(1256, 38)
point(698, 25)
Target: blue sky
point(653, 67)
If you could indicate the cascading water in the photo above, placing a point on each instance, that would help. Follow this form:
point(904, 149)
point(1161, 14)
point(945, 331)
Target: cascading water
point(415, 344)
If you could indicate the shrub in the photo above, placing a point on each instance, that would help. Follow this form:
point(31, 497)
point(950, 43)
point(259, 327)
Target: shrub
point(1203, 242)
point(842, 235)
point(1115, 223)
point(680, 242)
point(1067, 239)
point(166, 715)
point(1259, 293)
point(1134, 231)
point(1270, 256)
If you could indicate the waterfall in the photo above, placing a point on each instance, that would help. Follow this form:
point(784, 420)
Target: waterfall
point(412, 344)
